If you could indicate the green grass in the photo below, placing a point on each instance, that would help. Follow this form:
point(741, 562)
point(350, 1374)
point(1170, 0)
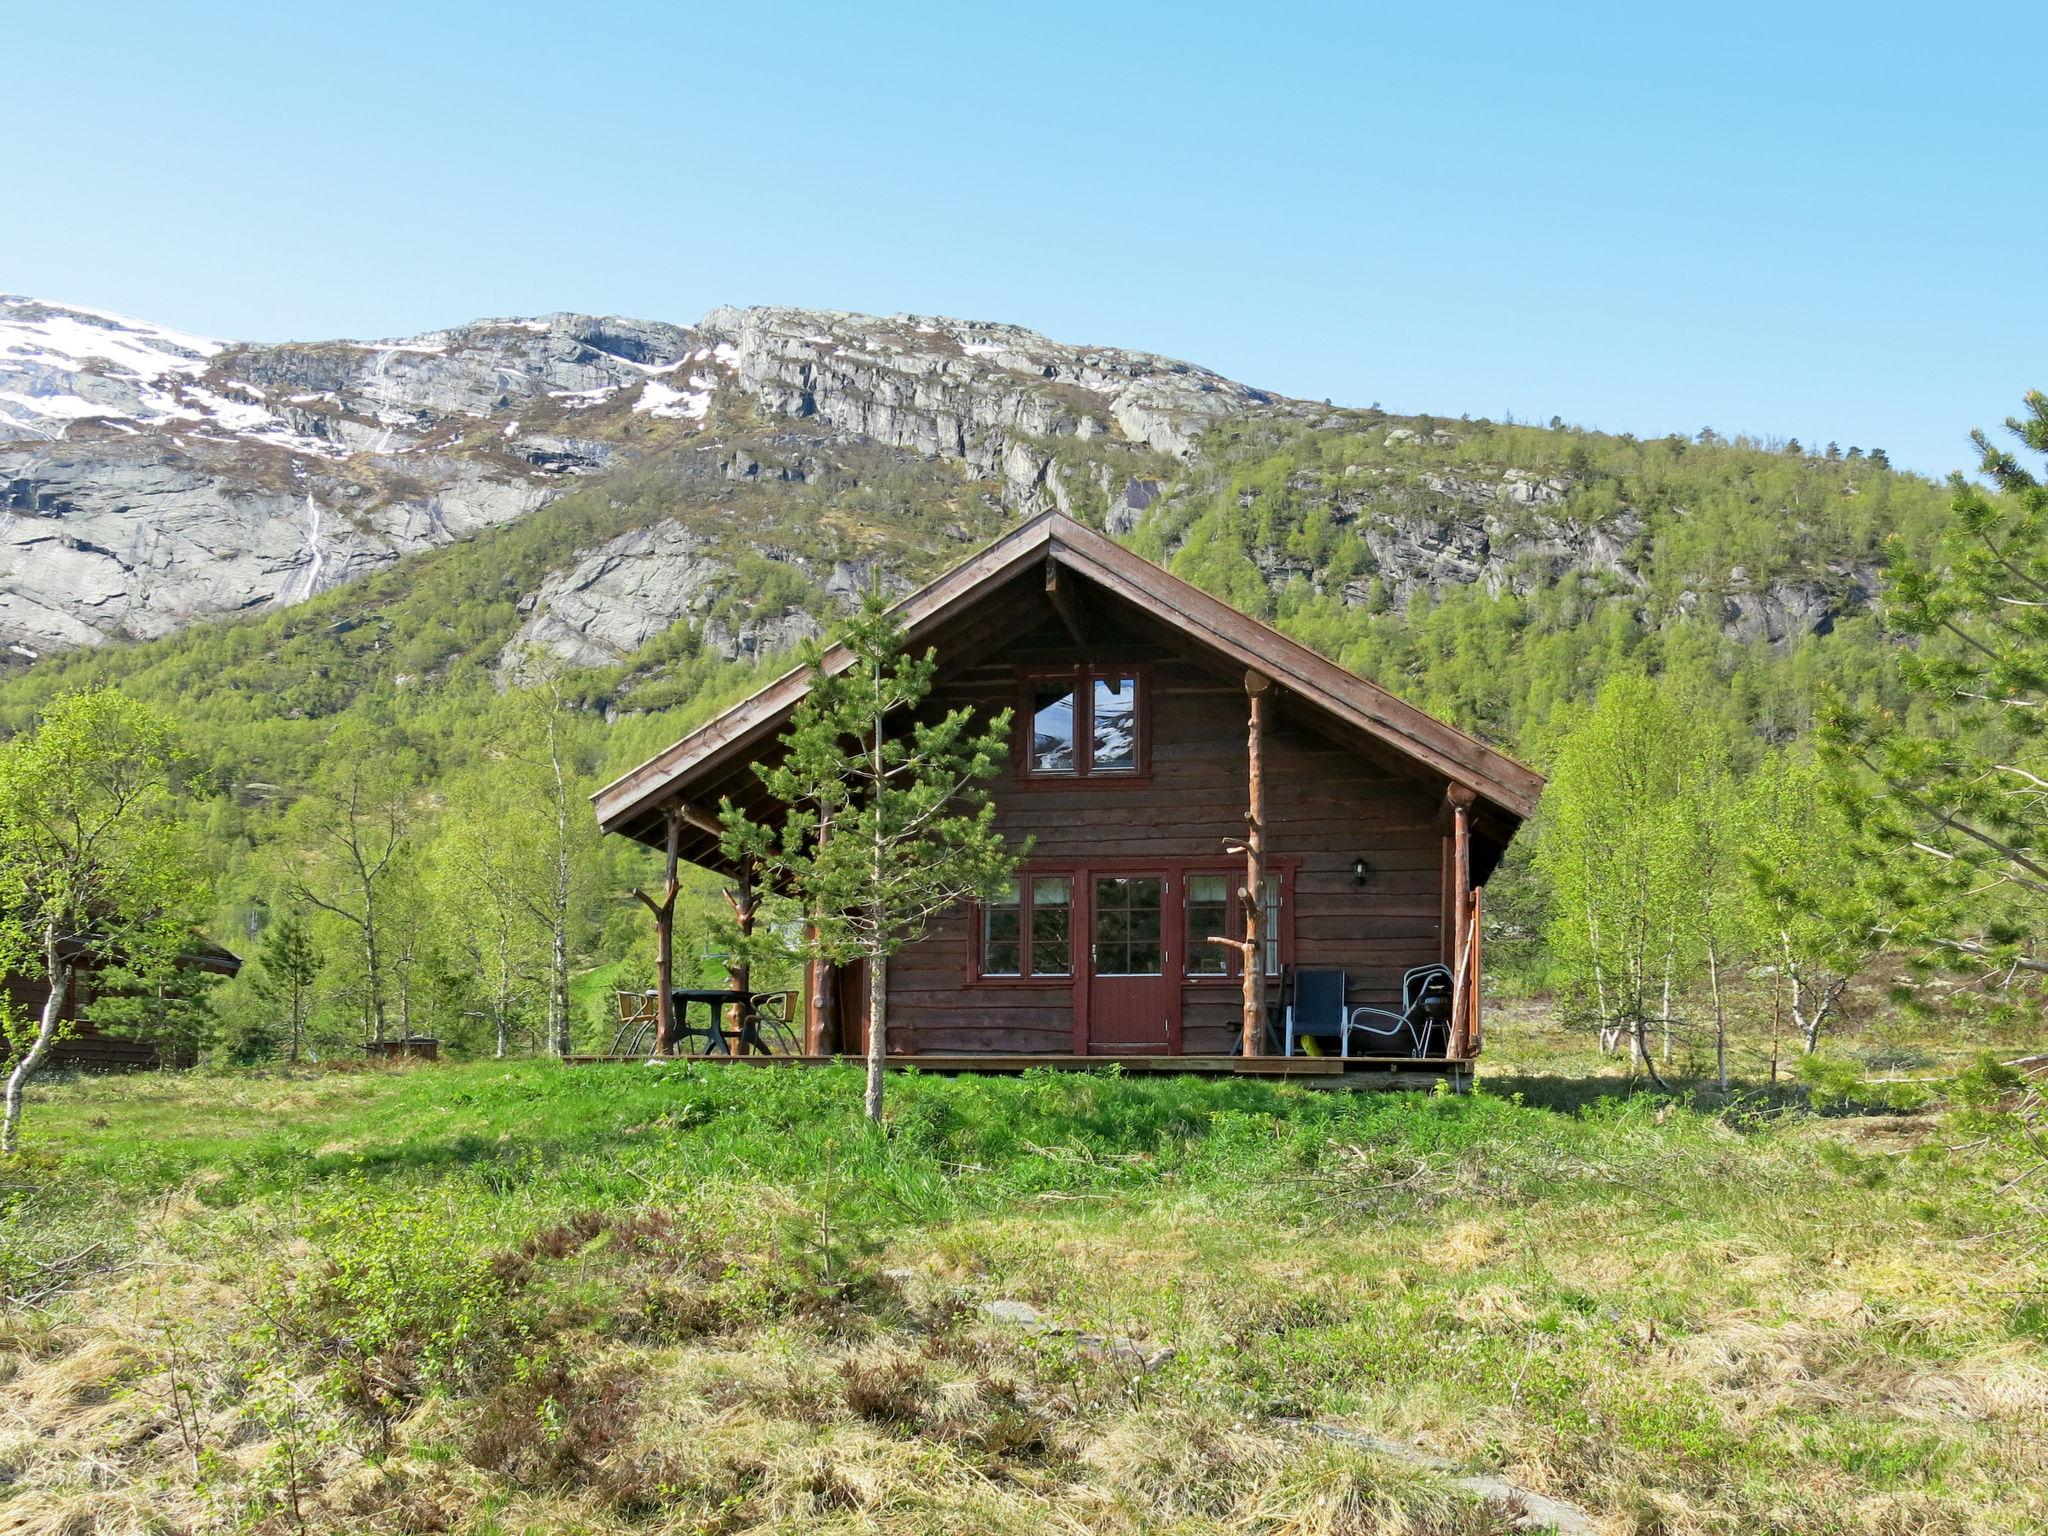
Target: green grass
point(519, 1297)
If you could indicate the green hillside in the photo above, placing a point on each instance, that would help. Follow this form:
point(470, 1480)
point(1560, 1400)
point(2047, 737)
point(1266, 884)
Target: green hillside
point(1581, 554)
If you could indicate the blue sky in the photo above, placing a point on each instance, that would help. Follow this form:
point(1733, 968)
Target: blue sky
point(1809, 220)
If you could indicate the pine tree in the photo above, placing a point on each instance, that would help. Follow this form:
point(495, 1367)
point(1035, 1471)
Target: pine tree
point(288, 964)
point(1953, 808)
point(888, 819)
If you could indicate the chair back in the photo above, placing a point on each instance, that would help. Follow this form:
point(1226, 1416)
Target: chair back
point(1426, 995)
point(1318, 1002)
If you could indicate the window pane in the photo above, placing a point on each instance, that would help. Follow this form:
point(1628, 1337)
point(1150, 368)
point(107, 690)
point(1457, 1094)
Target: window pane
point(1113, 725)
point(1270, 925)
point(1051, 929)
point(1208, 915)
point(1123, 910)
point(1001, 953)
point(1052, 730)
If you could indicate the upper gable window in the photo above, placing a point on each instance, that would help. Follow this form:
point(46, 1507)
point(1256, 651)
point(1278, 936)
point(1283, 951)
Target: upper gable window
point(1087, 722)
point(1054, 743)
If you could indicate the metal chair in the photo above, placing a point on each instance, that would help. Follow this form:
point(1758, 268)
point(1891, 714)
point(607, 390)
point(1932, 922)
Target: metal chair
point(1425, 1006)
point(1317, 1011)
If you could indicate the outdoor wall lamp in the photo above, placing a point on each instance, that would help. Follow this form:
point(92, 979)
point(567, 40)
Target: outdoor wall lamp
point(1360, 871)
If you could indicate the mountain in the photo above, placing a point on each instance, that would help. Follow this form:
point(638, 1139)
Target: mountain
point(151, 478)
point(657, 508)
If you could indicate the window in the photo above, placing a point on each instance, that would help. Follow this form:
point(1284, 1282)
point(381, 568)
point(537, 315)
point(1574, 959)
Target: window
point(1052, 933)
point(1052, 730)
point(1086, 723)
point(1214, 911)
point(1208, 918)
point(1270, 925)
point(1028, 929)
point(1002, 950)
point(1113, 733)
point(1128, 936)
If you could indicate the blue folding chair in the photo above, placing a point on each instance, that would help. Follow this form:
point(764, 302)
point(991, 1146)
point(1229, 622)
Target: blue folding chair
point(1317, 1011)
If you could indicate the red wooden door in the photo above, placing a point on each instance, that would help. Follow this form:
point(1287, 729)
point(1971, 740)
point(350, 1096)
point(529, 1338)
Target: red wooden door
point(1132, 987)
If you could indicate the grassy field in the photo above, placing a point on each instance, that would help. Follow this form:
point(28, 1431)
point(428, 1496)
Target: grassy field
point(511, 1298)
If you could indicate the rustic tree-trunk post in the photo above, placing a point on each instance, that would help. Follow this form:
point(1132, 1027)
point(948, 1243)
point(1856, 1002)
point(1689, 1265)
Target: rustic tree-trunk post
point(1474, 1036)
point(821, 1005)
point(664, 912)
point(1253, 896)
point(1461, 798)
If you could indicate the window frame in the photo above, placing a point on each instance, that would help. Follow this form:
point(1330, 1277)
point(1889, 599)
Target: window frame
point(1278, 935)
point(1027, 905)
point(1175, 936)
point(1082, 679)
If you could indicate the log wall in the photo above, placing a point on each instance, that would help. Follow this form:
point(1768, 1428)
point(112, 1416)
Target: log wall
point(1326, 806)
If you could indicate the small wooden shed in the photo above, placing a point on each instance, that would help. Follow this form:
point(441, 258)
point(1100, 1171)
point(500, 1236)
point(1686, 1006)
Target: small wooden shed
point(85, 1045)
point(1186, 773)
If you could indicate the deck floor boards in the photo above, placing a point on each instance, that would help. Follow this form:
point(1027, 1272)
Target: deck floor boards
point(1318, 1071)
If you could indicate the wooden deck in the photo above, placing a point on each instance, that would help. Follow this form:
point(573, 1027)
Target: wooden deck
point(1355, 1072)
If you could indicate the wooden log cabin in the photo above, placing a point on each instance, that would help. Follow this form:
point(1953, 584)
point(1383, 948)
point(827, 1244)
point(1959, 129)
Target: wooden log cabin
point(85, 1046)
point(1170, 758)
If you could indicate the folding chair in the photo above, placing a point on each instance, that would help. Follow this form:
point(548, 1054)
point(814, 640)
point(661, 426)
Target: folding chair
point(1317, 1012)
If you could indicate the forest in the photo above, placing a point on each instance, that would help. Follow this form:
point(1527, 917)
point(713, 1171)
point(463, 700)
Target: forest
point(391, 823)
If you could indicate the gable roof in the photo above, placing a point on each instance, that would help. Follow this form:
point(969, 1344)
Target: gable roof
point(629, 801)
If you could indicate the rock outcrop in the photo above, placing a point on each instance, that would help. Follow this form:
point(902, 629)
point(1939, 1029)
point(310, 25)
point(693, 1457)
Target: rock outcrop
point(150, 478)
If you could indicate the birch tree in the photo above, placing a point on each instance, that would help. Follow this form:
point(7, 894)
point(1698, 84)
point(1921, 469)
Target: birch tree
point(911, 827)
point(93, 871)
point(350, 837)
point(1615, 856)
point(1810, 908)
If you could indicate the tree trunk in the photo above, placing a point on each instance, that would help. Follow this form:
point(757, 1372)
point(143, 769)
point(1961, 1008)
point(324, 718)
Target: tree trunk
point(371, 959)
point(559, 1030)
point(1665, 1014)
point(59, 972)
point(1461, 798)
point(1609, 1036)
point(1642, 1038)
point(558, 994)
point(878, 1031)
point(1253, 897)
point(1720, 1018)
point(741, 972)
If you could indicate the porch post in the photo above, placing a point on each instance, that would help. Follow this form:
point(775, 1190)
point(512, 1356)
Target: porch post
point(664, 911)
point(821, 1008)
point(1253, 897)
point(1461, 798)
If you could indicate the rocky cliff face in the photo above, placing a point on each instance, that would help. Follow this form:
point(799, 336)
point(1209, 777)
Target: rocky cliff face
point(150, 478)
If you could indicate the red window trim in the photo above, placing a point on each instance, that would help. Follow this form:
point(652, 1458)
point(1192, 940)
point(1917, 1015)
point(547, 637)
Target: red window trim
point(1082, 679)
point(1176, 872)
point(1233, 917)
point(1027, 875)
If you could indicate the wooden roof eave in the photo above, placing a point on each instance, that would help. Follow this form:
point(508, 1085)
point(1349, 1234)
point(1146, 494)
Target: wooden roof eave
point(1322, 683)
point(757, 718)
point(731, 737)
